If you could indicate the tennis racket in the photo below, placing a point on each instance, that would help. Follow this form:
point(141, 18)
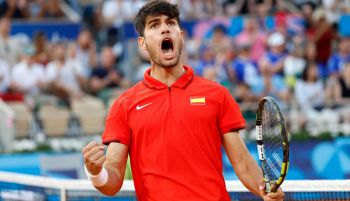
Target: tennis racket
point(272, 143)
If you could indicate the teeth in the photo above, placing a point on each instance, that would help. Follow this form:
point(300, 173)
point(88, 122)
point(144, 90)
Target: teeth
point(167, 51)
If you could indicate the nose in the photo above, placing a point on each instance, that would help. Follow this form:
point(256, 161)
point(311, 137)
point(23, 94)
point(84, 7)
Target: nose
point(165, 29)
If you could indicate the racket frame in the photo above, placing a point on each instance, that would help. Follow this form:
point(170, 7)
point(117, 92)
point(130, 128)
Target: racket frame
point(271, 186)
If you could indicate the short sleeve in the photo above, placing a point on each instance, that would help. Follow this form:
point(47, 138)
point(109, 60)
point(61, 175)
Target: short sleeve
point(230, 116)
point(116, 126)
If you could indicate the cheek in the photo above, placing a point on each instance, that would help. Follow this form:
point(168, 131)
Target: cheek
point(150, 41)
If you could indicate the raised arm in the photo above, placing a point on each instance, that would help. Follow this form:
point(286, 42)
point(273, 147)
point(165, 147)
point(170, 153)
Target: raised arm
point(246, 167)
point(114, 163)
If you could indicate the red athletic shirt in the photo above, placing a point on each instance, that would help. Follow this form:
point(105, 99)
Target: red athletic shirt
point(174, 136)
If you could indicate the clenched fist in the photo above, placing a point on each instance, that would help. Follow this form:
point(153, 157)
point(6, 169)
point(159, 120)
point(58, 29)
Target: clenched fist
point(94, 157)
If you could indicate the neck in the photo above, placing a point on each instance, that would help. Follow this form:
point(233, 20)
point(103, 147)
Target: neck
point(167, 75)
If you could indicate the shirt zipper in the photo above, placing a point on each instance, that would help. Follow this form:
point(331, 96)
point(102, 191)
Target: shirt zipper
point(170, 102)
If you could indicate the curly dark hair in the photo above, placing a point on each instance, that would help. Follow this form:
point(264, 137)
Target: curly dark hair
point(155, 8)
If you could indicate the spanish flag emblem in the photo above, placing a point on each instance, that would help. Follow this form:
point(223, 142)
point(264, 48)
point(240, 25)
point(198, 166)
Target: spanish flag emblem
point(197, 100)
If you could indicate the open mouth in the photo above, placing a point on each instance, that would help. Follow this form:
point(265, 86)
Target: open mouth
point(167, 45)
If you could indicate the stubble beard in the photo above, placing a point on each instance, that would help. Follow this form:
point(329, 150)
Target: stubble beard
point(165, 64)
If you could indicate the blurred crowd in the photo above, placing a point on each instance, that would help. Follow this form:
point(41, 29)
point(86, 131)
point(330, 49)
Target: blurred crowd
point(307, 67)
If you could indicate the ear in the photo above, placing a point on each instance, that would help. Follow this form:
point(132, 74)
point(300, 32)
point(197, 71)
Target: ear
point(142, 43)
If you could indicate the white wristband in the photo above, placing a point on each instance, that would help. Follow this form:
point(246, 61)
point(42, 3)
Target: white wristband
point(97, 180)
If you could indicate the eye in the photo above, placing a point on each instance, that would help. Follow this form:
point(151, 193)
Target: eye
point(172, 23)
point(154, 25)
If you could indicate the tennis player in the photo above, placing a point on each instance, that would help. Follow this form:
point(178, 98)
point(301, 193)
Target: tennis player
point(172, 124)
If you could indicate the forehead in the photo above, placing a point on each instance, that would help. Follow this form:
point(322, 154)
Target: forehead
point(151, 18)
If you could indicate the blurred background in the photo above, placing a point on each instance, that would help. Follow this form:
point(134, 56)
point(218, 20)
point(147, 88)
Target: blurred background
point(64, 62)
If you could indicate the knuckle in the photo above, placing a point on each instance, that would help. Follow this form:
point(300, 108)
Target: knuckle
point(85, 156)
point(101, 152)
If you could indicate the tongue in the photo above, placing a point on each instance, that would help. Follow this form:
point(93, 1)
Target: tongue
point(167, 52)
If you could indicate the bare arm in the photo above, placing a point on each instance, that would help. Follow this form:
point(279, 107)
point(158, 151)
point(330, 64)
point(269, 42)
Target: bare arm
point(246, 167)
point(114, 162)
point(116, 158)
point(243, 163)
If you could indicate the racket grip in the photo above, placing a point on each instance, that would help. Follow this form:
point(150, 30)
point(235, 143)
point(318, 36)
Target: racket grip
point(267, 187)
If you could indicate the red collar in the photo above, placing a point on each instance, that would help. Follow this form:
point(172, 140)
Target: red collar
point(182, 82)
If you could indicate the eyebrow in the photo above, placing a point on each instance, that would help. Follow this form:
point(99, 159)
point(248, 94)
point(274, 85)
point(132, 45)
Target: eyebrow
point(153, 20)
point(157, 18)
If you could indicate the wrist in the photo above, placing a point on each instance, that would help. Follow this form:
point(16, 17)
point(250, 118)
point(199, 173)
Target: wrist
point(97, 180)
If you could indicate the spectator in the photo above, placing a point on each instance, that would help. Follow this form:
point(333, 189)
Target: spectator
point(253, 36)
point(334, 9)
point(4, 77)
point(211, 65)
point(86, 52)
point(64, 76)
point(190, 53)
point(15, 9)
point(262, 9)
point(301, 3)
point(338, 92)
point(243, 68)
point(309, 90)
point(341, 57)
point(273, 62)
point(271, 85)
point(309, 93)
point(9, 47)
point(307, 9)
point(294, 65)
point(343, 97)
point(310, 57)
point(28, 78)
point(236, 7)
point(244, 72)
point(142, 66)
point(219, 42)
point(91, 12)
point(114, 13)
point(344, 85)
point(41, 46)
point(213, 8)
point(207, 60)
point(322, 34)
point(51, 9)
point(193, 9)
point(106, 82)
point(71, 58)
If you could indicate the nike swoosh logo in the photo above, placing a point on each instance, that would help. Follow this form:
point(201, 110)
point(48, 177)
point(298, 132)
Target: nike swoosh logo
point(138, 107)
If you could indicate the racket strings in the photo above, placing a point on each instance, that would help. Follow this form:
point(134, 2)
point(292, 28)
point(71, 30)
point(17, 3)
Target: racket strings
point(273, 141)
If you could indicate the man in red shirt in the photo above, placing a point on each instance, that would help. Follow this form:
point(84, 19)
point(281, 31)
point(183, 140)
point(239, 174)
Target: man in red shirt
point(172, 124)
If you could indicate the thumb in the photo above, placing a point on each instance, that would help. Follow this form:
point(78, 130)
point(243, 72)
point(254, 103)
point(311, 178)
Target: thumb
point(262, 188)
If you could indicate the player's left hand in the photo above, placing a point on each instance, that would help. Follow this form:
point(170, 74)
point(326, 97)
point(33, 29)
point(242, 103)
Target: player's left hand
point(277, 196)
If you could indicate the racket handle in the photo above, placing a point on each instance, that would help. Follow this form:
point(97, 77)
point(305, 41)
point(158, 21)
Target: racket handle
point(267, 187)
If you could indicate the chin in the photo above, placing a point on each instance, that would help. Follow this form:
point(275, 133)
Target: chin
point(169, 63)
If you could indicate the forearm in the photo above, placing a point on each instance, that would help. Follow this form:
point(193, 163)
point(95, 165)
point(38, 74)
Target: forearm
point(243, 163)
point(114, 182)
point(249, 174)
point(109, 170)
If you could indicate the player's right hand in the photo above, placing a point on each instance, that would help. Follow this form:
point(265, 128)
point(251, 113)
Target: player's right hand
point(277, 196)
point(94, 157)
